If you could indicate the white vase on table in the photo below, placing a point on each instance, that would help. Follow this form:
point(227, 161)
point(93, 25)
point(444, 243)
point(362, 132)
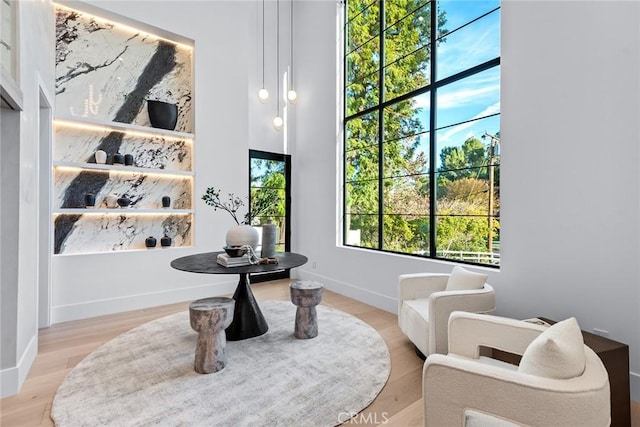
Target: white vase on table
point(240, 235)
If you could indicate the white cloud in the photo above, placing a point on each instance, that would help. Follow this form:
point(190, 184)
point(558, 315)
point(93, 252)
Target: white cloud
point(422, 101)
point(492, 109)
point(463, 96)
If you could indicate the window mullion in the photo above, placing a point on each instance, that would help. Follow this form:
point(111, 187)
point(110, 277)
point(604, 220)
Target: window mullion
point(432, 133)
point(381, 130)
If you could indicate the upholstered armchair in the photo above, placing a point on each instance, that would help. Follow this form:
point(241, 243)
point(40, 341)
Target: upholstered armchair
point(559, 381)
point(425, 301)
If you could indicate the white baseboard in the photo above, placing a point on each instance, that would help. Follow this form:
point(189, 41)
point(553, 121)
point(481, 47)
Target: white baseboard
point(375, 299)
point(635, 386)
point(84, 310)
point(11, 379)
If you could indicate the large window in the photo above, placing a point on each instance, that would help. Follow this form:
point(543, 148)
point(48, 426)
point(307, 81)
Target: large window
point(422, 128)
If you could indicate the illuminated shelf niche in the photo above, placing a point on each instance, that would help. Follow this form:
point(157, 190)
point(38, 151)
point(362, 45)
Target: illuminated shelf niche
point(87, 107)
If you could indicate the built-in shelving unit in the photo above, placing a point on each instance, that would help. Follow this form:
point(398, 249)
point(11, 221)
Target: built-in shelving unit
point(92, 114)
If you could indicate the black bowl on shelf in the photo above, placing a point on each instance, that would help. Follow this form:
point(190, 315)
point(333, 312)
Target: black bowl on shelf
point(124, 202)
point(235, 251)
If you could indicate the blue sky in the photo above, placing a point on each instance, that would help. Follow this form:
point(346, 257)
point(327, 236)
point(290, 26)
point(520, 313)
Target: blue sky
point(477, 96)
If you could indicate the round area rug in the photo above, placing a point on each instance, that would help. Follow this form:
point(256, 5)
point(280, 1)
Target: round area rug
point(145, 377)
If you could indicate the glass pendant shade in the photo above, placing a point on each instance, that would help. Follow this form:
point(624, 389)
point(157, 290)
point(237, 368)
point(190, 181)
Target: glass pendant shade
point(278, 122)
point(263, 95)
point(292, 96)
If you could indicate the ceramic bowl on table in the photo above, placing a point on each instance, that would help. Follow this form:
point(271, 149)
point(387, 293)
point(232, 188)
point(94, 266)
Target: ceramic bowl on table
point(235, 251)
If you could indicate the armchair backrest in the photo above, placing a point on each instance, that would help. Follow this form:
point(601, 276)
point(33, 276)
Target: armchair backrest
point(470, 331)
point(443, 303)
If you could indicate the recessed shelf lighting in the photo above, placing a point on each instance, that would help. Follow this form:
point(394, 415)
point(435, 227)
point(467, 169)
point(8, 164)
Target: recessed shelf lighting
point(122, 170)
point(125, 27)
point(123, 211)
point(122, 128)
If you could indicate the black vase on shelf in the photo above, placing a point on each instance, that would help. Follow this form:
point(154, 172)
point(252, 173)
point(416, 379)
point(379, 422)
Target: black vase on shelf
point(162, 115)
point(90, 200)
point(128, 159)
point(124, 202)
point(118, 159)
point(150, 242)
point(166, 201)
point(166, 241)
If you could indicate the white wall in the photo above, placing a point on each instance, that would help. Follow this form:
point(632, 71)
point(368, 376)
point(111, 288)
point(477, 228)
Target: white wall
point(36, 74)
point(570, 185)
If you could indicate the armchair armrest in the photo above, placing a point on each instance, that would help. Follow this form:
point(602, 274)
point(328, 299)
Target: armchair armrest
point(469, 331)
point(452, 384)
point(443, 303)
point(419, 285)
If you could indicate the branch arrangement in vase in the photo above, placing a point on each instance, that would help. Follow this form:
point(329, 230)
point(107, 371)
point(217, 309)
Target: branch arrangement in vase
point(211, 197)
point(263, 206)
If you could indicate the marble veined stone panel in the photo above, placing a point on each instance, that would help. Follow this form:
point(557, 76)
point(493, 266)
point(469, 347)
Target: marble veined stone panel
point(89, 233)
point(78, 144)
point(144, 190)
point(107, 71)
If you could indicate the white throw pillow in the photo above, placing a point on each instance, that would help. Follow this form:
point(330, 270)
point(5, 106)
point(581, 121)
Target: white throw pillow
point(558, 352)
point(465, 280)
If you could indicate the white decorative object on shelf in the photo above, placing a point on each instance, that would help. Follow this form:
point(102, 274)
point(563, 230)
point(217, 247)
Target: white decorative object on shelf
point(111, 201)
point(101, 157)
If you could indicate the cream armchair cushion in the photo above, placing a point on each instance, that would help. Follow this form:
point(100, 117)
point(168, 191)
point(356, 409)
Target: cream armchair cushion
point(556, 353)
point(425, 302)
point(465, 387)
point(462, 279)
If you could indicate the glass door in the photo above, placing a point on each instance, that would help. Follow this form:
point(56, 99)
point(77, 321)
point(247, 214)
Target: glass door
point(270, 200)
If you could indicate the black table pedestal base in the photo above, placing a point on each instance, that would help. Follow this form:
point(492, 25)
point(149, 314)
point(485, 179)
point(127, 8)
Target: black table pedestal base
point(248, 321)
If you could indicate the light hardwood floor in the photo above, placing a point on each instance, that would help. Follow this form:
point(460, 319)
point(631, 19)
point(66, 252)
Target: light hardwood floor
point(63, 345)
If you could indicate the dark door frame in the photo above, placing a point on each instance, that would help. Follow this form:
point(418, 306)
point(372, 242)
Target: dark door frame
point(286, 158)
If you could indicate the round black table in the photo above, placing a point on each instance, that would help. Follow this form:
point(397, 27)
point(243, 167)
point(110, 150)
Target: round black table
point(248, 320)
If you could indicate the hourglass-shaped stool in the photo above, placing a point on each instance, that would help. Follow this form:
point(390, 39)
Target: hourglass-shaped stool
point(209, 317)
point(306, 295)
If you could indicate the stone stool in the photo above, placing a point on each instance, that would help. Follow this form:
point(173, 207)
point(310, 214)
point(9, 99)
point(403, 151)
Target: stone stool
point(209, 317)
point(306, 295)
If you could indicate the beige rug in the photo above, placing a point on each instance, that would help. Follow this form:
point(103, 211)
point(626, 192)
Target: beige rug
point(145, 377)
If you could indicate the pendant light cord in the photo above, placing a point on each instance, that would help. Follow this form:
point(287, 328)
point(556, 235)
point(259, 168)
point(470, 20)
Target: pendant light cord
point(291, 37)
point(263, 44)
point(278, 57)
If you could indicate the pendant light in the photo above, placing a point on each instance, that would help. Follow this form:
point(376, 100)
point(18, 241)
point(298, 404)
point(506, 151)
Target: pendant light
point(277, 120)
point(263, 94)
point(291, 94)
